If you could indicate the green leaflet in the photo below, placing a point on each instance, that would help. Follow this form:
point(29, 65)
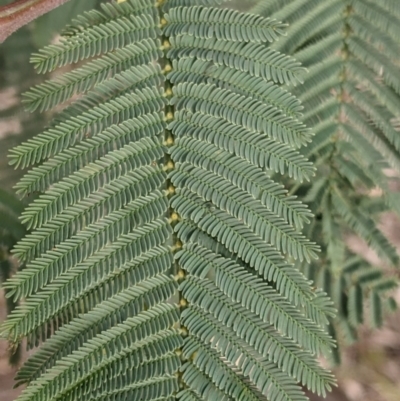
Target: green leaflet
point(111, 311)
point(88, 150)
point(109, 12)
point(160, 262)
point(170, 4)
point(144, 333)
point(92, 73)
point(249, 113)
point(241, 205)
point(199, 71)
point(261, 150)
point(208, 361)
point(90, 178)
point(37, 310)
point(92, 238)
point(96, 40)
point(255, 59)
point(66, 133)
point(225, 24)
point(268, 343)
point(49, 95)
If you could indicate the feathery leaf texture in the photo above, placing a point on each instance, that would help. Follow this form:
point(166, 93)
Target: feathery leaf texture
point(351, 98)
point(224, 24)
point(160, 261)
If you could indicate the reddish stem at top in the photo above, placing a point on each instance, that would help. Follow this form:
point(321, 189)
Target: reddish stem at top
point(15, 15)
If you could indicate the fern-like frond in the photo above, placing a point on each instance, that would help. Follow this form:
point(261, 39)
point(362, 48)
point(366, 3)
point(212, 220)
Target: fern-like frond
point(199, 71)
point(80, 80)
point(126, 82)
point(356, 292)
point(247, 177)
point(91, 239)
point(41, 306)
point(310, 20)
point(147, 334)
point(200, 262)
point(271, 228)
point(268, 379)
point(222, 24)
point(233, 280)
point(319, 50)
point(114, 195)
point(377, 116)
point(165, 181)
point(147, 289)
point(201, 385)
point(238, 110)
point(384, 16)
point(286, 9)
point(96, 40)
point(255, 59)
point(369, 55)
point(250, 248)
point(88, 150)
point(267, 341)
point(49, 95)
point(261, 150)
point(90, 178)
point(365, 227)
point(351, 100)
point(383, 93)
point(67, 133)
point(109, 12)
point(364, 131)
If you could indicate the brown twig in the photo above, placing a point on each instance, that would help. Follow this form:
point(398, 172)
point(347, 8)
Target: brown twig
point(21, 12)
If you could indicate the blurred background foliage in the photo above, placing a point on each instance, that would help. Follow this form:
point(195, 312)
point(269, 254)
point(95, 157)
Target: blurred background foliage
point(370, 368)
point(351, 100)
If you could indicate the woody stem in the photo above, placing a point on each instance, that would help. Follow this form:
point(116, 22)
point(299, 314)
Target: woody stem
point(15, 15)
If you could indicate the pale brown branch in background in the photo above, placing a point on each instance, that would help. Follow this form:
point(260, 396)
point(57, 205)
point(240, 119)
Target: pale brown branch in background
point(21, 12)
